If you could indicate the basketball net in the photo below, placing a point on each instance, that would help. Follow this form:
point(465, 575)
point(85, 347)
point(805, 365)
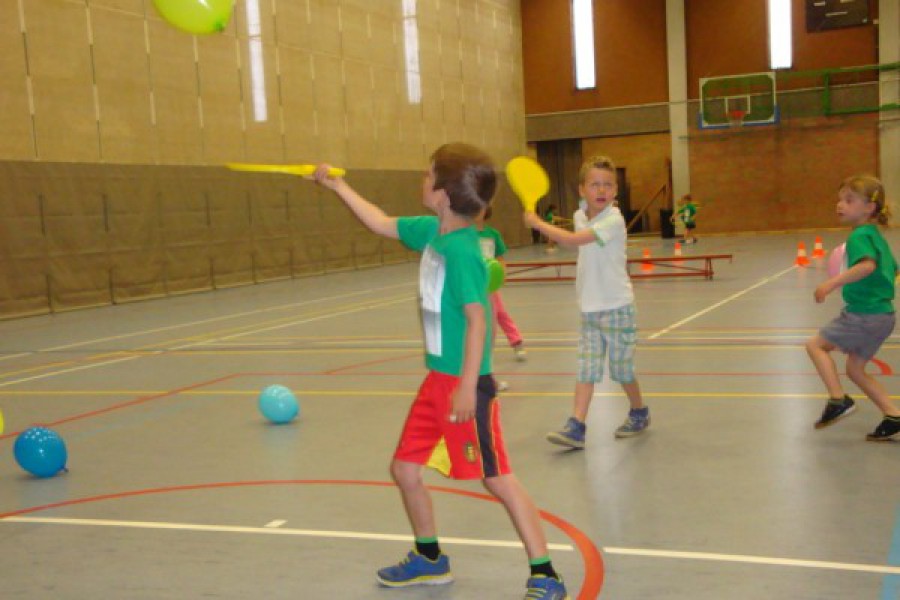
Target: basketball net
point(736, 118)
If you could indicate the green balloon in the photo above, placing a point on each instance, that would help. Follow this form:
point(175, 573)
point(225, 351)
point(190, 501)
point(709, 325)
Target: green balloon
point(496, 274)
point(196, 16)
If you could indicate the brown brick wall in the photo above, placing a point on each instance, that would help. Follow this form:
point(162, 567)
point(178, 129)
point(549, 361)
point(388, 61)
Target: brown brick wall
point(778, 177)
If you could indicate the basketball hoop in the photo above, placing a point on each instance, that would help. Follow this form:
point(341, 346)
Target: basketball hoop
point(736, 118)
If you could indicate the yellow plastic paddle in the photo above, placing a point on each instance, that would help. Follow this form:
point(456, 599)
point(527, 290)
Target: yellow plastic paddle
point(528, 180)
point(299, 170)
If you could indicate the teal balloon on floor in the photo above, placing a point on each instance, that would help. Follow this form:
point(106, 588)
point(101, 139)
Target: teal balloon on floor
point(41, 452)
point(278, 404)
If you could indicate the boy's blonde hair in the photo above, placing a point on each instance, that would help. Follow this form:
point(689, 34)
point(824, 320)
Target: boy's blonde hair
point(596, 162)
point(872, 190)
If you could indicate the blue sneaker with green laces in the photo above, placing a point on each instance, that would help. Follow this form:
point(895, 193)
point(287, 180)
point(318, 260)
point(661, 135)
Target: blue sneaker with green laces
point(541, 587)
point(415, 569)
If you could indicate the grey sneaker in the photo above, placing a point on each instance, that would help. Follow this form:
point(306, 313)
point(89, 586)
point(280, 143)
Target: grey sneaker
point(521, 355)
point(571, 435)
point(638, 420)
point(502, 386)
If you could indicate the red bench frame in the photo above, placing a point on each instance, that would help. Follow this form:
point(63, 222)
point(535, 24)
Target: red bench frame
point(676, 267)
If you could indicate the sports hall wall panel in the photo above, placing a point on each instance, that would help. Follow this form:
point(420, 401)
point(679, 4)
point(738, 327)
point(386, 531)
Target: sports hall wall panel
point(121, 73)
point(780, 179)
point(630, 39)
point(115, 127)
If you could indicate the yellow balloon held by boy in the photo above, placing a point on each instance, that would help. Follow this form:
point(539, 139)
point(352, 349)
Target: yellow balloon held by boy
point(196, 16)
point(496, 274)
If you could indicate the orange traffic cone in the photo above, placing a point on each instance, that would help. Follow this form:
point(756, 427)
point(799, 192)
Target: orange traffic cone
point(646, 266)
point(818, 250)
point(802, 260)
point(677, 248)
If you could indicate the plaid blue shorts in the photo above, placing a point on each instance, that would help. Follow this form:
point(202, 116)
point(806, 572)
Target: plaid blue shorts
point(608, 331)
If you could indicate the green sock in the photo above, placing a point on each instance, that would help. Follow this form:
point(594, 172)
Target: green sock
point(542, 566)
point(428, 547)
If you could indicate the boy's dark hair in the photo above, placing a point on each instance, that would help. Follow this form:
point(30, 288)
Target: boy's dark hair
point(467, 175)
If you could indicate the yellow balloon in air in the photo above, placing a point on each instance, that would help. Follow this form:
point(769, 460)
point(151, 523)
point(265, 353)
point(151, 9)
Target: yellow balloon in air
point(196, 16)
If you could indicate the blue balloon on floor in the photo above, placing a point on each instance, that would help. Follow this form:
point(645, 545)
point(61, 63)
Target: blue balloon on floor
point(41, 452)
point(278, 404)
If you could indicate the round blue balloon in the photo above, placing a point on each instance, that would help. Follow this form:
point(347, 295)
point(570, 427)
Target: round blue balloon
point(278, 404)
point(41, 452)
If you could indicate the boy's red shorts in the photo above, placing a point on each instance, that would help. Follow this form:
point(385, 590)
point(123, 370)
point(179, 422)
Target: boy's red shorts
point(470, 450)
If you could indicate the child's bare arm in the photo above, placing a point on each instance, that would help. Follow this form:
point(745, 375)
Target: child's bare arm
point(860, 270)
point(369, 214)
point(558, 234)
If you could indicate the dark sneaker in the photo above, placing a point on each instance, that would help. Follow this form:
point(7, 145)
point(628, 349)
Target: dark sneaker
point(886, 430)
point(835, 411)
point(541, 587)
point(572, 435)
point(638, 420)
point(415, 569)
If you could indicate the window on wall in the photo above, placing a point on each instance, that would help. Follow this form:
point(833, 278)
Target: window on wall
point(583, 43)
point(257, 65)
point(411, 52)
point(781, 54)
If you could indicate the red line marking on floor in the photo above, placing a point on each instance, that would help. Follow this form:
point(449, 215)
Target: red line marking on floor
point(885, 368)
point(128, 404)
point(590, 554)
point(369, 363)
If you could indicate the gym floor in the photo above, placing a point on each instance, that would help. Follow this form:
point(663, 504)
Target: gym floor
point(179, 488)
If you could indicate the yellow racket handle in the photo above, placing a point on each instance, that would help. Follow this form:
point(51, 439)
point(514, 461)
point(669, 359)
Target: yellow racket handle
point(299, 170)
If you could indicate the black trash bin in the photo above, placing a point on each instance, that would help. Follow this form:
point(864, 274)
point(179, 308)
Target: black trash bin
point(666, 224)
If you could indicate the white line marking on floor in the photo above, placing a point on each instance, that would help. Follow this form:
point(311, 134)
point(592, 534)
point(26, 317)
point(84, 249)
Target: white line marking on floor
point(70, 370)
point(292, 305)
point(302, 321)
point(357, 535)
point(19, 355)
point(756, 560)
point(720, 303)
point(202, 342)
point(276, 523)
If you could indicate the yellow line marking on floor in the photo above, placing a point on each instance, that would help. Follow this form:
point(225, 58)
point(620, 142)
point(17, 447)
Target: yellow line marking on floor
point(199, 340)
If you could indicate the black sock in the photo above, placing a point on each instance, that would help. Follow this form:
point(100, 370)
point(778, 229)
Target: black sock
point(428, 548)
point(545, 568)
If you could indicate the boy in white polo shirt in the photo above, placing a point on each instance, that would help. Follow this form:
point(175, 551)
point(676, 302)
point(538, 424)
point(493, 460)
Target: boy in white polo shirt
point(605, 298)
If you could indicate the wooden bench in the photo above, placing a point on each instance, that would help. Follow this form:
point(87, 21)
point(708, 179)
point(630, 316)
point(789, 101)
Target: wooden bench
point(670, 266)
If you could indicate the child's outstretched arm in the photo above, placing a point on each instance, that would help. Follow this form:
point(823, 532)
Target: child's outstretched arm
point(558, 234)
point(371, 216)
point(860, 270)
